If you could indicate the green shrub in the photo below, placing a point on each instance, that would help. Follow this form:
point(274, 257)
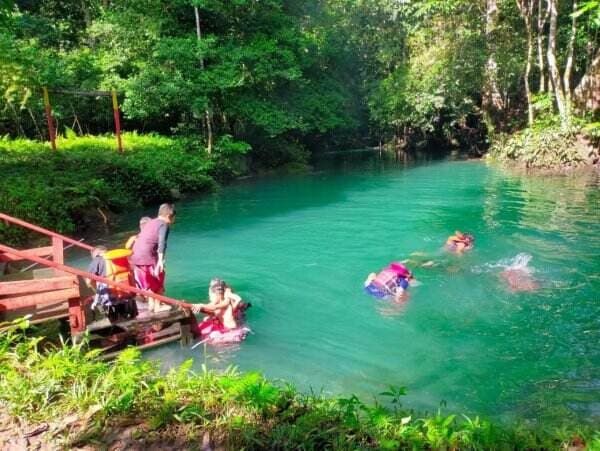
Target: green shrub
point(47, 383)
point(73, 187)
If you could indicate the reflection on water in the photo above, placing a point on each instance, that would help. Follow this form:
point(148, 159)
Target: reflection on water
point(299, 248)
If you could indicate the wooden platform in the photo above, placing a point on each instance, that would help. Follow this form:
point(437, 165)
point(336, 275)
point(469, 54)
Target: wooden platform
point(37, 283)
point(145, 331)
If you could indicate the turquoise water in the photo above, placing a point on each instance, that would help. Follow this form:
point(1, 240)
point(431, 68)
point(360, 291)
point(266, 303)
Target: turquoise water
point(299, 247)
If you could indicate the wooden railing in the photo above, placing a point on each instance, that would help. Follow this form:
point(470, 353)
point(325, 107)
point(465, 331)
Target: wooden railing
point(63, 285)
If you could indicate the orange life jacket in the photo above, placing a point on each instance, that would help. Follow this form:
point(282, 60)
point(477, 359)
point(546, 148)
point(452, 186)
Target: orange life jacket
point(118, 269)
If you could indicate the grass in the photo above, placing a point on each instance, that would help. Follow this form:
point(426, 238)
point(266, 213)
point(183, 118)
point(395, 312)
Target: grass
point(87, 179)
point(42, 382)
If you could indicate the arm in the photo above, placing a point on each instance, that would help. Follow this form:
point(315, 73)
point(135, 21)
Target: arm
point(203, 308)
point(163, 235)
point(232, 298)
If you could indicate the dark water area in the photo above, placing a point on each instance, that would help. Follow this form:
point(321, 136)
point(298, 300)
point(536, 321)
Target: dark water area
point(510, 345)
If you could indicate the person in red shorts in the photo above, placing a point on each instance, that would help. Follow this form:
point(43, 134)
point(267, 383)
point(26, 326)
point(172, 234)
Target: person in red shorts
point(148, 257)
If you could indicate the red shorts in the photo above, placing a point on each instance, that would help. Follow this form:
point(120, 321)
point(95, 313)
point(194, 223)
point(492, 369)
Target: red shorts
point(145, 279)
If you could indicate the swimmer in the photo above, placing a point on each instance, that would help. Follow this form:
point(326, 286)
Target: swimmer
point(392, 281)
point(519, 279)
point(460, 242)
point(518, 276)
point(223, 303)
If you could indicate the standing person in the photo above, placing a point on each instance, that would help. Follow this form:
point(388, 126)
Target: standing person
point(97, 267)
point(148, 257)
point(131, 240)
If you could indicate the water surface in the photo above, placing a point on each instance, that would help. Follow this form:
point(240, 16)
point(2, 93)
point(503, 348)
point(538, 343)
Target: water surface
point(298, 248)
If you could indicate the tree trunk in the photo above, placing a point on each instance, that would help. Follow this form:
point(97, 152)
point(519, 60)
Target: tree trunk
point(587, 93)
point(207, 113)
point(526, 10)
point(209, 144)
point(541, 23)
point(553, 66)
point(569, 63)
point(492, 103)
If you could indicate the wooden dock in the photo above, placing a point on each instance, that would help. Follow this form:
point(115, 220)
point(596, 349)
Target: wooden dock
point(36, 283)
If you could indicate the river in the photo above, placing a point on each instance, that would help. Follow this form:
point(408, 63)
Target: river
point(299, 248)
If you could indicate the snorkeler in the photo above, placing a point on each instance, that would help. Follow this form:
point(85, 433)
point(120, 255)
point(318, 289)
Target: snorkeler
point(460, 242)
point(393, 280)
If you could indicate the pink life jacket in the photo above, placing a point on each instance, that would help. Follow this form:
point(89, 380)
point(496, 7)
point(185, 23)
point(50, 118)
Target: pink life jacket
point(387, 280)
point(399, 269)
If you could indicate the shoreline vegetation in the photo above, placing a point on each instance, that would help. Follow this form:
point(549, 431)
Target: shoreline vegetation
point(211, 90)
point(64, 396)
point(92, 182)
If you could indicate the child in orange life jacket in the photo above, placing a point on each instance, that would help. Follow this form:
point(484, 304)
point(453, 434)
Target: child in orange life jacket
point(98, 268)
point(460, 242)
point(131, 240)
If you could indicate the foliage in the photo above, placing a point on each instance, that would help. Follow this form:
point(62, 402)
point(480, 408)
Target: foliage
point(66, 189)
point(544, 146)
point(258, 80)
point(39, 381)
point(312, 74)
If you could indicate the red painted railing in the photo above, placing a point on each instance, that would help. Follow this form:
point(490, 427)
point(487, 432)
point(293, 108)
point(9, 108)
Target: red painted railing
point(57, 262)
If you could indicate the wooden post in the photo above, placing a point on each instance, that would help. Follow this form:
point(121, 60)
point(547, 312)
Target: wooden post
point(49, 119)
point(115, 103)
point(57, 253)
point(77, 319)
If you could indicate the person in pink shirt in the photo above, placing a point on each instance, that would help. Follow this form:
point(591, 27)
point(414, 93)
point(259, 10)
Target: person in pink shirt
point(148, 258)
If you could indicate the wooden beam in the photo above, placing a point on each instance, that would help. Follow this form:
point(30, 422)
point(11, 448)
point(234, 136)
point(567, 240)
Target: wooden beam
point(43, 231)
point(29, 300)
point(37, 252)
point(38, 285)
point(123, 286)
point(76, 92)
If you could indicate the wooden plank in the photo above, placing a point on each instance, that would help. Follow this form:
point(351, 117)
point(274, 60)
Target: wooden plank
point(58, 253)
point(152, 344)
point(36, 252)
point(47, 297)
point(77, 92)
point(39, 314)
point(38, 285)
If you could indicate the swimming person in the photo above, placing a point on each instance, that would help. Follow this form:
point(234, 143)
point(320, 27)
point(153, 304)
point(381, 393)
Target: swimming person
point(393, 280)
point(131, 241)
point(149, 255)
point(518, 276)
point(223, 304)
point(460, 242)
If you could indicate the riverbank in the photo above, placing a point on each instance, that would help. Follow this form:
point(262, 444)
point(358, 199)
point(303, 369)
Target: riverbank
point(66, 397)
point(83, 186)
point(549, 149)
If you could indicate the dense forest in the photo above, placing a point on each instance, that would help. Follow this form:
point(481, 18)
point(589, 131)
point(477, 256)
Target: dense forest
point(285, 76)
point(209, 90)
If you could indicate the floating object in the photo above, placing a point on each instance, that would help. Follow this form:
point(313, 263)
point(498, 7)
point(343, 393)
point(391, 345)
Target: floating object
point(213, 332)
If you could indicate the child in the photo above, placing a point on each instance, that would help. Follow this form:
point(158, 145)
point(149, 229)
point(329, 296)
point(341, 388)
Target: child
point(98, 268)
point(391, 281)
point(131, 240)
point(460, 242)
point(223, 304)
